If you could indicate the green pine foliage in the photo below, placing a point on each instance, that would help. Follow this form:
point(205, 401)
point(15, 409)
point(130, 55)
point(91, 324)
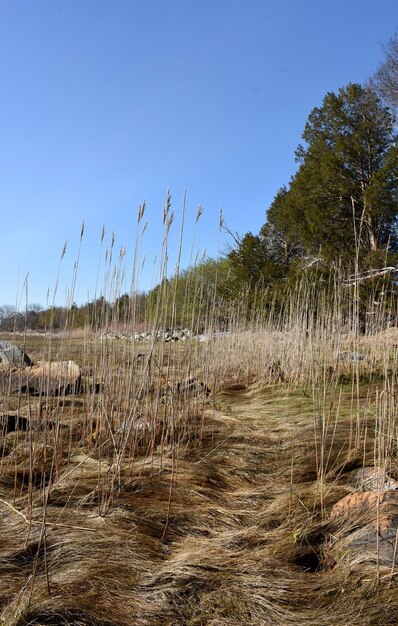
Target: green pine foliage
point(340, 209)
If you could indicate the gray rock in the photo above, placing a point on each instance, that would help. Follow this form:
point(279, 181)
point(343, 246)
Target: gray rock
point(12, 356)
point(354, 357)
point(192, 387)
point(372, 479)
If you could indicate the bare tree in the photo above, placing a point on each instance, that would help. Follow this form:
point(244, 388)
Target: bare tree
point(37, 308)
point(385, 79)
point(6, 311)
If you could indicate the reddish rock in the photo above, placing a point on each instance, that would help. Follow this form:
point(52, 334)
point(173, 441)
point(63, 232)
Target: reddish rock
point(356, 503)
point(366, 528)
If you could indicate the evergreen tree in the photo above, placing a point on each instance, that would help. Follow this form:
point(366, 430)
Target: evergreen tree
point(344, 195)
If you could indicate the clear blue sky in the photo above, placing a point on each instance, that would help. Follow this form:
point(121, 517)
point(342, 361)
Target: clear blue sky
point(105, 104)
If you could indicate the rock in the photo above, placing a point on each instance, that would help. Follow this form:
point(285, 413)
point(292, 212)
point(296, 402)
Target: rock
point(356, 503)
point(52, 378)
point(188, 388)
point(373, 542)
point(372, 479)
point(277, 372)
point(191, 386)
point(354, 357)
point(140, 358)
point(366, 527)
point(151, 335)
point(12, 356)
point(10, 423)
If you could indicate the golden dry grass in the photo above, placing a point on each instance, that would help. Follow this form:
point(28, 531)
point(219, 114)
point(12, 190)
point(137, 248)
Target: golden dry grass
point(144, 506)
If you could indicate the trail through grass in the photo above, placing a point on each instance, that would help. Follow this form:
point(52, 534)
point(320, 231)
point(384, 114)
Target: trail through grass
point(233, 528)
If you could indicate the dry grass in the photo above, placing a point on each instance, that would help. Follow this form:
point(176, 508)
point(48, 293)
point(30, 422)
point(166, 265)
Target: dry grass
point(221, 516)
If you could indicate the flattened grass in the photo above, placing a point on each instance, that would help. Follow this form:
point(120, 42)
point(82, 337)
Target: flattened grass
point(231, 528)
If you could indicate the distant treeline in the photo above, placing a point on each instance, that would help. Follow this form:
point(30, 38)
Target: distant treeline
point(95, 314)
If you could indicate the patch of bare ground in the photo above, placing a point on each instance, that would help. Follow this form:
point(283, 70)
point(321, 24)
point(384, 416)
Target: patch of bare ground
point(215, 512)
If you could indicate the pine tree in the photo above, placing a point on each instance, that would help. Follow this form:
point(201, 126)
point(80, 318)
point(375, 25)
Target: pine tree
point(344, 195)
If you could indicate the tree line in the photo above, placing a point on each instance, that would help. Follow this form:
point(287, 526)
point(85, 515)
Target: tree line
point(95, 315)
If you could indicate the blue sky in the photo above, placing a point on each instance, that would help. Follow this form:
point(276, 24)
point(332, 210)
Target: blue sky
point(106, 104)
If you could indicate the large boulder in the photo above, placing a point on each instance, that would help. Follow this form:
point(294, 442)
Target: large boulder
point(52, 378)
point(12, 357)
point(45, 378)
point(365, 529)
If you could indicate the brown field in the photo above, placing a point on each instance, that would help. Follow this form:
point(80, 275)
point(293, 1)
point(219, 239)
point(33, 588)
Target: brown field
point(141, 499)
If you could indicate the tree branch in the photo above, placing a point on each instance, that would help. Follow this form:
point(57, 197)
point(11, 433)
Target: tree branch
point(376, 273)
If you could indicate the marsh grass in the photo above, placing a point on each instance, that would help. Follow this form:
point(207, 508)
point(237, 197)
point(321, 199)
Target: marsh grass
point(140, 499)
